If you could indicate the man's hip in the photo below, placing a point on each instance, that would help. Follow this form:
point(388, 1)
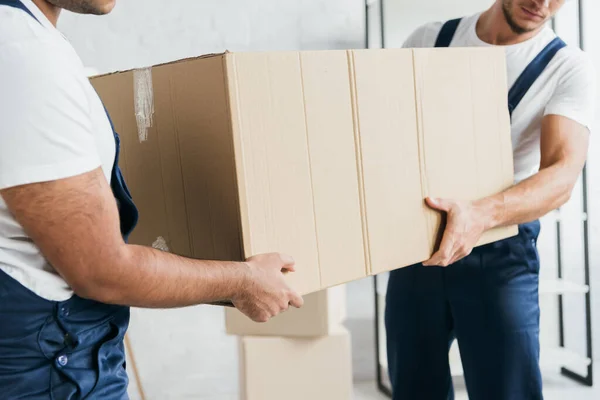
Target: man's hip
point(488, 302)
point(60, 350)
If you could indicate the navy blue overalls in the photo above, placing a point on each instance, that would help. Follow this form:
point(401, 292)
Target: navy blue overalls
point(70, 349)
point(488, 301)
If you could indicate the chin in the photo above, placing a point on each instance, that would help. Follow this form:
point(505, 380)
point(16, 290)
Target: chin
point(96, 7)
point(105, 7)
point(529, 27)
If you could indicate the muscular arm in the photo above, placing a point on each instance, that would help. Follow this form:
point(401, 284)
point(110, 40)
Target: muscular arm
point(564, 146)
point(75, 223)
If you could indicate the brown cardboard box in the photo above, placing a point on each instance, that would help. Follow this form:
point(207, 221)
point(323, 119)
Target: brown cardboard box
point(326, 156)
point(323, 312)
point(273, 368)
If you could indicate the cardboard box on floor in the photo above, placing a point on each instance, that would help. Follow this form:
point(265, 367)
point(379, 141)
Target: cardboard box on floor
point(323, 312)
point(326, 156)
point(274, 368)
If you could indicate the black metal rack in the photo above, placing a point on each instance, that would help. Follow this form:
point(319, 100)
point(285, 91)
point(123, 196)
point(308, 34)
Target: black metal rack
point(588, 378)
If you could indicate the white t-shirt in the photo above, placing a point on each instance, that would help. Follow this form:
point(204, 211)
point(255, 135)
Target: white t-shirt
point(52, 126)
point(565, 88)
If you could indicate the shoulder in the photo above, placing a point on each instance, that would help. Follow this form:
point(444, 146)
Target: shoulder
point(40, 89)
point(574, 81)
point(574, 73)
point(37, 67)
point(572, 61)
point(424, 36)
point(18, 27)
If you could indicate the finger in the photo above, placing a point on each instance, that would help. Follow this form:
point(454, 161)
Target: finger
point(445, 253)
point(296, 300)
point(289, 265)
point(433, 260)
point(461, 254)
point(439, 204)
point(262, 318)
point(456, 258)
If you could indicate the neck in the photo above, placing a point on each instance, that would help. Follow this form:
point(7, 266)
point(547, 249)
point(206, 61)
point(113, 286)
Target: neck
point(51, 12)
point(493, 28)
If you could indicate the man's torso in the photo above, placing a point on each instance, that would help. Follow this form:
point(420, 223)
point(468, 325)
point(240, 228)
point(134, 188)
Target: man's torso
point(543, 97)
point(28, 44)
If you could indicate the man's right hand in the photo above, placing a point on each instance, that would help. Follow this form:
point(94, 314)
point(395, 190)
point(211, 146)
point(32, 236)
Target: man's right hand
point(265, 293)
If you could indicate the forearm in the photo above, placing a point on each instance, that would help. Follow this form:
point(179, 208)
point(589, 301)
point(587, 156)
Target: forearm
point(144, 277)
point(75, 224)
point(530, 199)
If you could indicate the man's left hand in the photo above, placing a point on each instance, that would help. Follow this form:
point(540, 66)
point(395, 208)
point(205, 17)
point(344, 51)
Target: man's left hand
point(465, 224)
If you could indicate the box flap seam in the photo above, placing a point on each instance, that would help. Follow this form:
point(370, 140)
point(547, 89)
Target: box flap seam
point(233, 100)
point(310, 169)
point(178, 147)
point(421, 144)
point(359, 160)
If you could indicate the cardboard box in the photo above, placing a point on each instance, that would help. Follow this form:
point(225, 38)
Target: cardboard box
point(326, 156)
point(323, 312)
point(274, 368)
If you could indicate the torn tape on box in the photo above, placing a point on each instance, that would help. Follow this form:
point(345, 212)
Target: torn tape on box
point(143, 93)
point(160, 244)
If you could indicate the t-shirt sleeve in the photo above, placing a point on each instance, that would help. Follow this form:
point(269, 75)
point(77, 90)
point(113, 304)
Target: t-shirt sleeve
point(575, 95)
point(46, 132)
point(423, 37)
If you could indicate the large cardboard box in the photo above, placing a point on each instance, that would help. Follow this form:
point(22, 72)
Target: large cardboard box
point(274, 368)
point(326, 156)
point(323, 312)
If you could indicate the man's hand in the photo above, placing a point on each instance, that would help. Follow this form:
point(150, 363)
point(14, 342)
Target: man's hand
point(464, 227)
point(563, 149)
point(266, 294)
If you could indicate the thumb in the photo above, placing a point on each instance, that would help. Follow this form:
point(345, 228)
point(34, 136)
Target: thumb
point(439, 204)
point(288, 263)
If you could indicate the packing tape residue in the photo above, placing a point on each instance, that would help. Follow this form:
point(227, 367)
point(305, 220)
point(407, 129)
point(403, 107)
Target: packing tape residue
point(160, 244)
point(144, 101)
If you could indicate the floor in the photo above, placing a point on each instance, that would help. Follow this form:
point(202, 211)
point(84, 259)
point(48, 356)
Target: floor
point(196, 360)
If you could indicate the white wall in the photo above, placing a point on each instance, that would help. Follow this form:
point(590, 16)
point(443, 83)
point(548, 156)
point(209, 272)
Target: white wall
point(145, 32)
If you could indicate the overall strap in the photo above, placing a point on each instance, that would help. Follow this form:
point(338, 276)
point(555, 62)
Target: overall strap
point(18, 4)
point(532, 73)
point(447, 33)
point(128, 212)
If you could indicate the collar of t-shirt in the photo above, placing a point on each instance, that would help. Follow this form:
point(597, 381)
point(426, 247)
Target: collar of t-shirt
point(42, 18)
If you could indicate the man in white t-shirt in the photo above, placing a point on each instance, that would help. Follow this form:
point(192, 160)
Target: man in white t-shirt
point(487, 297)
point(67, 276)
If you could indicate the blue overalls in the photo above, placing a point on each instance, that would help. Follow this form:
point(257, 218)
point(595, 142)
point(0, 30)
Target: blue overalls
point(70, 349)
point(488, 301)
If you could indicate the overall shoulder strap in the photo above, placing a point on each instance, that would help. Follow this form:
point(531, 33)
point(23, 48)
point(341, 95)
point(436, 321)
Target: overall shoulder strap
point(532, 73)
point(18, 4)
point(447, 33)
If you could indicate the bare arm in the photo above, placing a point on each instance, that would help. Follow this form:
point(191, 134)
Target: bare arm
point(75, 223)
point(564, 146)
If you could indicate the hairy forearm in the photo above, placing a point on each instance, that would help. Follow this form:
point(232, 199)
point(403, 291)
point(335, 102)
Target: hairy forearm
point(530, 199)
point(144, 277)
point(75, 224)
